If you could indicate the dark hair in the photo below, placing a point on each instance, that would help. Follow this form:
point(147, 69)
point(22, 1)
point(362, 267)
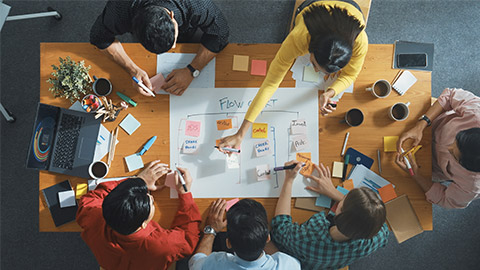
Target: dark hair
point(333, 32)
point(154, 28)
point(468, 142)
point(127, 206)
point(247, 229)
point(362, 214)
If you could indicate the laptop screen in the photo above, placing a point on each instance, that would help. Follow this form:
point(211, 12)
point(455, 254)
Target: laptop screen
point(42, 138)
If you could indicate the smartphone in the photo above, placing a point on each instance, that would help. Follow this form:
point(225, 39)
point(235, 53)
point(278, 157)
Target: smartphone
point(418, 60)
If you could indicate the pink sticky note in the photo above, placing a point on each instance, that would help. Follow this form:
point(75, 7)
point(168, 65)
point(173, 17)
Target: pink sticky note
point(192, 128)
point(157, 83)
point(259, 67)
point(231, 203)
point(170, 180)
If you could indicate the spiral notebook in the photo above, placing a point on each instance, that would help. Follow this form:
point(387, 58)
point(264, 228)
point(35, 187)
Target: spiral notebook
point(403, 81)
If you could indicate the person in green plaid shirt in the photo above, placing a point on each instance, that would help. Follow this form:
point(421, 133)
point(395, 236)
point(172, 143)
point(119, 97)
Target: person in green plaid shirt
point(330, 241)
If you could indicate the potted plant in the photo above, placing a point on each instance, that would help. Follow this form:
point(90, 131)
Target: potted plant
point(70, 79)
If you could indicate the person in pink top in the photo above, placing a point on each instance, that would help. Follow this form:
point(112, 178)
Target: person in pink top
point(455, 121)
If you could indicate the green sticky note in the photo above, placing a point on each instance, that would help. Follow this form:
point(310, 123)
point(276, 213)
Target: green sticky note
point(309, 75)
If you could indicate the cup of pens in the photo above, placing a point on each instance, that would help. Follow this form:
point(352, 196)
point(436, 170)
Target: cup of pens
point(91, 103)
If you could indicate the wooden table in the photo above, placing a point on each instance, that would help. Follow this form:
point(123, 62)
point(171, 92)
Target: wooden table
point(153, 113)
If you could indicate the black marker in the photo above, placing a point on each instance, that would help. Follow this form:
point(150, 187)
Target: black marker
point(289, 167)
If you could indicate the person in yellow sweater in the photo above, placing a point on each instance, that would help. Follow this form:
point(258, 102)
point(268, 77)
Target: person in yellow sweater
point(333, 33)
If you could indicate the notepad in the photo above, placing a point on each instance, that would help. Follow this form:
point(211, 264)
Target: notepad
point(81, 190)
point(390, 143)
point(402, 219)
point(134, 162)
point(60, 216)
point(130, 124)
point(259, 67)
point(337, 170)
point(240, 62)
point(403, 81)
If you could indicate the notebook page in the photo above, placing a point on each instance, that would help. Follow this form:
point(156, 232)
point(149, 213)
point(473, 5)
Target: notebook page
point(404, 82)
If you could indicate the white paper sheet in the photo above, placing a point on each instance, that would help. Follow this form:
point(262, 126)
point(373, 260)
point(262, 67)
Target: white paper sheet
point(166, 62)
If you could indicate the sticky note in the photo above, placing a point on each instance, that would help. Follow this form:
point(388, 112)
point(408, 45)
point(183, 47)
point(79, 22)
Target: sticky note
point(337, 170)
point(224, 124)
point(232, 161)
point(306, 158)
point(66, 198)
point(259, 67)
point(343, 190)
point(129, 124)
point(134, 162)
point(300, 142)
point(170, 180)
point(263, 172)
point(217, 142)
point(390, 143)
point(240, 62)
point(323, 201)
point(231, 203)
point(190, 146)
point(192, 128)
point(309, 74)
point(81, 190)
point(262, 148)
point(157, 82)
point(348, 184)
point(260, 130)
point(298, 126)
point(387, 193)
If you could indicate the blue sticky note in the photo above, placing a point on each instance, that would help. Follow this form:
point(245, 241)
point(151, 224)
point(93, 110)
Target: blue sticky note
point(323, 201)
point(134, 162)
point(129, 124)
point(343, 190)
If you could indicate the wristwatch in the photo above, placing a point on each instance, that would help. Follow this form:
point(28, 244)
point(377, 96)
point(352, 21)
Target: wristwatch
point(195, 72)
point(426, 119)
point(209, 230)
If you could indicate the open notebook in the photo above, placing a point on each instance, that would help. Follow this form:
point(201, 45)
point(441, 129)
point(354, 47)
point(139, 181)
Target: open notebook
point(403, 81)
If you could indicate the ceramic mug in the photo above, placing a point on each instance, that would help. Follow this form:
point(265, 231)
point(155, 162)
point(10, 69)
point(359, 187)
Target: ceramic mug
point(354, 117)
point(399, 111)
point(101, 86)
point(380, 89)
point(98, 169)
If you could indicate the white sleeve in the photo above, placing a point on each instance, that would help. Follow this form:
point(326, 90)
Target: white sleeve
point(196, 261)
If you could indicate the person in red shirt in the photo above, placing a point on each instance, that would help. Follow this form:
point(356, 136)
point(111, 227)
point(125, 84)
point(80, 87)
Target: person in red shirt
point(116, 219)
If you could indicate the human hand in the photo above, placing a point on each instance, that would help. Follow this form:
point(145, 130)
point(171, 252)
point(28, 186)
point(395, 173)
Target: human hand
point(291, 174)
point(177, 81)
point(233, 141)
point(216, 214)
point(416, 134)
point(188, 180)
point(325, 100)
point(324, 180)
point(152, 173)
point(401, 163)
point(142, 76)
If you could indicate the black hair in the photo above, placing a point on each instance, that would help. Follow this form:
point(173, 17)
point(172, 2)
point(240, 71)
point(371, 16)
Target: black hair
point(362, 215)
point(468, 142)
point(247, 229)
point(127, 206)
point(154, 28)
point(333, 32)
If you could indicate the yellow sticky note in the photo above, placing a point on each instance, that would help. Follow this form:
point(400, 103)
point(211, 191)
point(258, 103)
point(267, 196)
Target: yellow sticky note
point(240, 63)
point(260, 130)
point(390, 143)
point(337, 170)
point(81, 190)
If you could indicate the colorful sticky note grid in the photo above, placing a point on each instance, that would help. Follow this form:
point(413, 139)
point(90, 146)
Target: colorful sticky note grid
point(170, 180)
point(134, 162)
point(337, 170)
point(81, 190)
point(309, 74)
point(307, 159)
point(192, 128)
point(66, 198)
point(387, 193)
point(263, 172)
point(262, 148)
point(130, 124)
point(157, 82)
point(300, 142)
point(190, 146)
point(260, 130)
point(224, 124)
point(390, 143)
point(298, 126)
point(240, 62)
point(259, 67)
point(323, 201)
point(348, 184)
point(231, 203)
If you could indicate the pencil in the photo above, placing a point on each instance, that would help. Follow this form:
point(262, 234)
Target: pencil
point(109, 160)
point(379, 162)
point(114, 143)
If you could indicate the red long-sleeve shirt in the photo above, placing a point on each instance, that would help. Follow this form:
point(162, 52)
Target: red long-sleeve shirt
point(151, 248)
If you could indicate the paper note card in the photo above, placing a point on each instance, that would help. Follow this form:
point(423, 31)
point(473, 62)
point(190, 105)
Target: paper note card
point(390, 143)
point(81, 190)
point(103, 143)
point(305, 158)
point(231, 203)
point(192, 128)
point(134, 162)
point(387, 193)
point(259, 67)
point(323, 201)
point(129, 124)
point(260, 130)
point(263, 172)
point(157, 82)
point(240, 62)
point(232, 161)
point(170, 180)
point(309, 74)
point(337, 170)
point(224, 124)
point(300, 142)
point(66, 198)
point(190, 146)
point(262, 148)
point(298, 126)
point(348, 184)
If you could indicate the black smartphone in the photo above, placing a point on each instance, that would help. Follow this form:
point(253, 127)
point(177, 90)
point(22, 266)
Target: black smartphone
point(412, 60)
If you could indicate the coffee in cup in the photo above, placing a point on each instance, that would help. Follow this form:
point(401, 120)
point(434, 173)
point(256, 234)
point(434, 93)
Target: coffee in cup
point(380, 89)
point(354, 117)
point(101, 86)
point(399, 111)
point(98, 169)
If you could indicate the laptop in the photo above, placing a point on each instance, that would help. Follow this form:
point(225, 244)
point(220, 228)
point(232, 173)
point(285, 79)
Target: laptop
point(63, 141)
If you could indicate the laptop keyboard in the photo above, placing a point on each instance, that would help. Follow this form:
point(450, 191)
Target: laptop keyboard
point(67, 138)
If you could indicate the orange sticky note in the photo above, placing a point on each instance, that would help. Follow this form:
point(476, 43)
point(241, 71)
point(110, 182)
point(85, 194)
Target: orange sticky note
point(348, 184)
point(307, 159)
point(224, 124)
point(387, 193)
point(240, 62)
point(259, 67)
point(217, 142)
point(260, 130)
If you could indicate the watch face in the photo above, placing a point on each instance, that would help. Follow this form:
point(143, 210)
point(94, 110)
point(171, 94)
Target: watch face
point(209, 230)
point(196, 73)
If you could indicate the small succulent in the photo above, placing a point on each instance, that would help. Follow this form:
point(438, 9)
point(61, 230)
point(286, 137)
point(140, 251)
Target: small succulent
point(70, 79)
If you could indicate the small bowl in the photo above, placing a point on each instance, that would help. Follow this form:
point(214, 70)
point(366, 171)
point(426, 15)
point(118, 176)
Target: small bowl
point(91, 103)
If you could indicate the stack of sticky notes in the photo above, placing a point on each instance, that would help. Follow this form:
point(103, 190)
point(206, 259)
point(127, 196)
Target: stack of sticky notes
point(134, 162)
point(390, 143)
point(259, 67)
point(129, 124)
point(82, 189)
point(387, 193)
point(240, 62)
point(337, 170)
point(66, 198)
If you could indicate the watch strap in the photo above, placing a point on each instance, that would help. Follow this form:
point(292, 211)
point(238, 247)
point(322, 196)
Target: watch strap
point(426, 119)
point(192, 69)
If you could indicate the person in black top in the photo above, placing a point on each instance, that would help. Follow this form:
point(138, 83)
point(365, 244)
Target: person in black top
point(158, 25)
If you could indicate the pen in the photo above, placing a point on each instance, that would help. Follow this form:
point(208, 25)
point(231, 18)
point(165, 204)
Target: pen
point(289, 167)
point(181, 178)
point(147, 145)
point(334, 105)
point(345, 165)
point(143, 86)
point(379, 162)
point(345, 143)
point(229, 149)
point(370, 187)
point(127, 99)
point(409, 167)
point(373, 183)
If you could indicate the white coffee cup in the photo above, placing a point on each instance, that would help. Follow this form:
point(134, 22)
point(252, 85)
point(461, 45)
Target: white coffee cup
point(399, 111)
point(98, 169)
point(380, 89)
